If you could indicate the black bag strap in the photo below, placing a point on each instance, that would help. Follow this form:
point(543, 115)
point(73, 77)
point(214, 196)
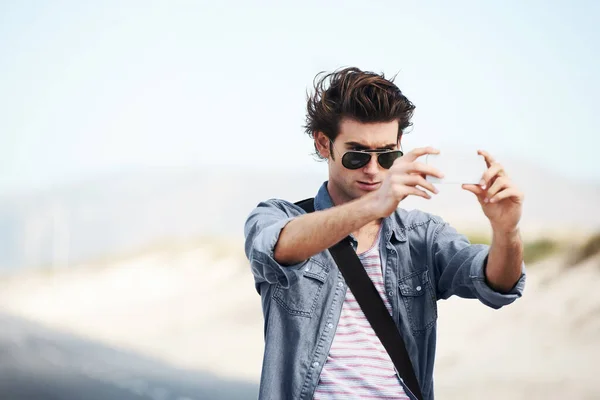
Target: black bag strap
point(372, 306)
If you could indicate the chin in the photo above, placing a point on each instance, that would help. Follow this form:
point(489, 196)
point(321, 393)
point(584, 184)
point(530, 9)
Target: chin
point(357, 193)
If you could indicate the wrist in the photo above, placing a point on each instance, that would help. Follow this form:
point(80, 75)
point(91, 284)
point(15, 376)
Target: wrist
point(505, 235)
point(369, 205)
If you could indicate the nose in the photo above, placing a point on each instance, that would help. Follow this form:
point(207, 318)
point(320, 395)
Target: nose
point(372, 167)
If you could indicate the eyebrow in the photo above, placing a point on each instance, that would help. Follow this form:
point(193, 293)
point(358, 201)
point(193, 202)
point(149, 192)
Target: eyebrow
point(363, 147)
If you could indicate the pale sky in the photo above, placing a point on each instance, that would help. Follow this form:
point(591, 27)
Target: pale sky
point(89, 88)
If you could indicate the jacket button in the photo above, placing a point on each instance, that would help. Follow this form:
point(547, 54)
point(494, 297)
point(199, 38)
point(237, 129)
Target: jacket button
point(315, 364)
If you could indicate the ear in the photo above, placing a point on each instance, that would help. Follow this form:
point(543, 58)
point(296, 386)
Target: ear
point(322, 144)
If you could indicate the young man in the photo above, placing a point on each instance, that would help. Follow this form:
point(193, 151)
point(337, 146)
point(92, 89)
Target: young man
point(318, 343)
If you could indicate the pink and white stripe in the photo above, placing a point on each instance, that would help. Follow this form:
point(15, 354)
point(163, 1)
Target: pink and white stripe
point(358, 367)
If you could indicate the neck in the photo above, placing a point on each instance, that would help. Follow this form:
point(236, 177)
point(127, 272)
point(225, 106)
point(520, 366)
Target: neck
point(337, 196)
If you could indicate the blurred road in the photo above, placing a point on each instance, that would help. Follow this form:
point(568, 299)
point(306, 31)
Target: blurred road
point(38, 363)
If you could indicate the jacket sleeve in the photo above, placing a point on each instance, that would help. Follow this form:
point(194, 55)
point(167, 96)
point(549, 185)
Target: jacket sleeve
point(261, 230)
point(460, 269)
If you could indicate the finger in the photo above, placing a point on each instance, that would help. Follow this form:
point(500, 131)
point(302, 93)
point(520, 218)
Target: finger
point(494, 170)
point(475, 189)
point(489, 160)
point(512, 193)
point(418, 152)
point(414, 180)
point(423, 169)
point(417, 192)
point(404, 191)
point(498, 185)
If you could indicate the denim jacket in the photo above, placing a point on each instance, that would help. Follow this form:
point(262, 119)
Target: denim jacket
point(423, 259)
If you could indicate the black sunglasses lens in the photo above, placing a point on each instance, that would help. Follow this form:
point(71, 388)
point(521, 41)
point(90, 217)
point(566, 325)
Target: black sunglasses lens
point(386, 160)
point(355, 160)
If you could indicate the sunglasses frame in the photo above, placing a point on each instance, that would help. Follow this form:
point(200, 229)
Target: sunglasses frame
point(379, 153)
point(369, 153)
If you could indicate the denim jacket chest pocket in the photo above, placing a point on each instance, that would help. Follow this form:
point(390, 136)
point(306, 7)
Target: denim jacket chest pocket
point(302, 297)
point(418, 296)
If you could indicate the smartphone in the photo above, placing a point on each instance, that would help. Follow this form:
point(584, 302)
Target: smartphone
point(457, 167)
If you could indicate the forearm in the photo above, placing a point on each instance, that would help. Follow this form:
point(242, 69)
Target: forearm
point(312, 233)
point(505, 260)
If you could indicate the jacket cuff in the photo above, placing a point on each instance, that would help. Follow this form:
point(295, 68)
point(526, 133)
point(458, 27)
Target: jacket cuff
point(274, 272)
point(485, 293)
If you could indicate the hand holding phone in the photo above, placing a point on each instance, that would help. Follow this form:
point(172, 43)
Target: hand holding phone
point(458, 168)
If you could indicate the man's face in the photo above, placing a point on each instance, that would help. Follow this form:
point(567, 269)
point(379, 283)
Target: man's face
point(347, 184)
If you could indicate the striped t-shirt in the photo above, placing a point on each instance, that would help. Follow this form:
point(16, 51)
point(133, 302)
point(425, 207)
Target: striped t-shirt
point(358, 367)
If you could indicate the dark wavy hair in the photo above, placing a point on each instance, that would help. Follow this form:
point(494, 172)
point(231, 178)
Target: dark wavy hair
point(358, 95)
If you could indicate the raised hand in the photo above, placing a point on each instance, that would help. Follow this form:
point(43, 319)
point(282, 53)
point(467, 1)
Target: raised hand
point(404, 179)
point(501, 201)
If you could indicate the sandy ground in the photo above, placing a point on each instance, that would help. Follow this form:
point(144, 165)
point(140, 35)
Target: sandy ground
point(197, 310)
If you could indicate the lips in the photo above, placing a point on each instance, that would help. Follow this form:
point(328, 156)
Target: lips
point(368, 185)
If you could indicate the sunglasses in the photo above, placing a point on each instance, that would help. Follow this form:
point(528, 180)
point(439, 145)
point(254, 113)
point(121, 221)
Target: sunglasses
point(355, 159)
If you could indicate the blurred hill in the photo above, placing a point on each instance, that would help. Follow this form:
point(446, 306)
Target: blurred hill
point(124, 212)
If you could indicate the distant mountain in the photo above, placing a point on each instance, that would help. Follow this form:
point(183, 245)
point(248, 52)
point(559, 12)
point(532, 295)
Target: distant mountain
point(120, 213)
